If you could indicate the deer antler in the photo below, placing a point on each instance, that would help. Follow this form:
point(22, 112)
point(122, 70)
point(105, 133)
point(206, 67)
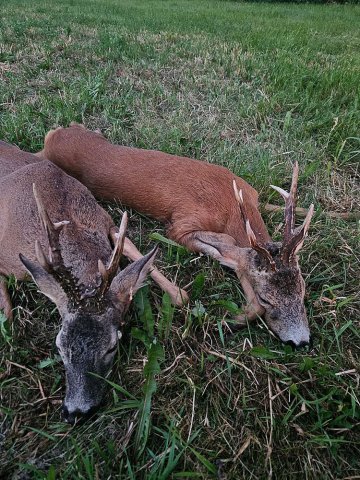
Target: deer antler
point(54, 262)
point(293, 237)
point(109, 272)
point(254, 242)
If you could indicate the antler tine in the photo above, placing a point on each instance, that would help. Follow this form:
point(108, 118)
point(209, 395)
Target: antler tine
point(282, 192)
point(109, 272)
point(258, 246)
point(240, 199)
point(54, 263)
point(41, 257)
point(255, 244)
point(46, 222)
point(118, 249)
point(306, 224)
point(238, 194)
point(290, 204)
point(52, 231)
point(298, 236)
point(293, 238)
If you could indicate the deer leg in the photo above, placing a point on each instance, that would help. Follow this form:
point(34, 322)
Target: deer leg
point(178, 296)
point(5, 302)
point(252, 309)
point(223, 248)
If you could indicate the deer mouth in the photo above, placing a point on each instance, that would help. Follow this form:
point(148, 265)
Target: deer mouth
point(302, 345)
point(78, 416)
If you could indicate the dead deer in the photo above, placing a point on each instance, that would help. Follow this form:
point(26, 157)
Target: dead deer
point(208, 209)
point(52, 227)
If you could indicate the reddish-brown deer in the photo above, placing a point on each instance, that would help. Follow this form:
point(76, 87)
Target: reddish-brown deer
point(208, 209)
point(42, 209)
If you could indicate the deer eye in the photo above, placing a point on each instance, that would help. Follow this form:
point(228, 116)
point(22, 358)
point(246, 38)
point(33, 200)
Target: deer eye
point(264, 301)
point(112, 350)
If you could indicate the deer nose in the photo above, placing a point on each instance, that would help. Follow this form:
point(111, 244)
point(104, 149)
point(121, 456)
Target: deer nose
point(297, 346)
point(77, 415)
point(67, 416)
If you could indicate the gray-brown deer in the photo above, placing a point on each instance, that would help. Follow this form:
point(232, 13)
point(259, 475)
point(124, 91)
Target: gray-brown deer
point(208, 209)
point(52, 227)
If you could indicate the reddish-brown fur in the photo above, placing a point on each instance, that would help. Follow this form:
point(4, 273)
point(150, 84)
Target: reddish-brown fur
point(163, 186)
point(19, 224)
point(203, 212)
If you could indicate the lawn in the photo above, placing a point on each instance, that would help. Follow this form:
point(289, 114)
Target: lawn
point(251, 86)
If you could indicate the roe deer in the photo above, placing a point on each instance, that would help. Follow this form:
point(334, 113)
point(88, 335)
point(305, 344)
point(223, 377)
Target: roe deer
point(42, 209)
point(208, 209)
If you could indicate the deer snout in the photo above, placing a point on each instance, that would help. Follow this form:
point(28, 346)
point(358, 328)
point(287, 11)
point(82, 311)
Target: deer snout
point(297, 338)
point(289, 323)
point(77, 415)
point(295, 334)
point(300, 345)
point(82, 400)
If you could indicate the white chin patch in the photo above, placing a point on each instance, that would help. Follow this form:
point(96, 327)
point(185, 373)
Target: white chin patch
point(119, 334)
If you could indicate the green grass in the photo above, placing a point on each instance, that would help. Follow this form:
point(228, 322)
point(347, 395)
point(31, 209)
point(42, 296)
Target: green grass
point(253, 87)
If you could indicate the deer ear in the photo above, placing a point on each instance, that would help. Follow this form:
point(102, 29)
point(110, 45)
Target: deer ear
point(46, 282)
point(128, 282)
point(227, 254)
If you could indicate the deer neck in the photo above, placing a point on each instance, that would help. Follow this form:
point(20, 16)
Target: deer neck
point(83, 261)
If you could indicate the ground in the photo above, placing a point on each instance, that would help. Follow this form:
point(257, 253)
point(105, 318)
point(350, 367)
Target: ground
point(253, 87)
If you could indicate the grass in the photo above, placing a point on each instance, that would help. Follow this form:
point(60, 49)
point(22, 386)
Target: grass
point(249, 86)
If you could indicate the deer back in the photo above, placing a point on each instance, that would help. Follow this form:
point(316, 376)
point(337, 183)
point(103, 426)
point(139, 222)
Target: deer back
point(83, 241)
point(12, 158)
point(190, 195)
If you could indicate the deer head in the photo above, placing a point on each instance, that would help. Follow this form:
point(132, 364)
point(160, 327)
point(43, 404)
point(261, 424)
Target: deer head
point(92, 315)
point(274, 272)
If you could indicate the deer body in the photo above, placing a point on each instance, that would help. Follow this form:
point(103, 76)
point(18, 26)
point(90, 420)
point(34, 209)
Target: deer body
point(89, 227)
point(208, 209)
point(52, 228)
point(163, 186)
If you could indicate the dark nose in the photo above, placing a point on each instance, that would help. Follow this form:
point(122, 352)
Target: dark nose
point(77, 415)
point(300, 345)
